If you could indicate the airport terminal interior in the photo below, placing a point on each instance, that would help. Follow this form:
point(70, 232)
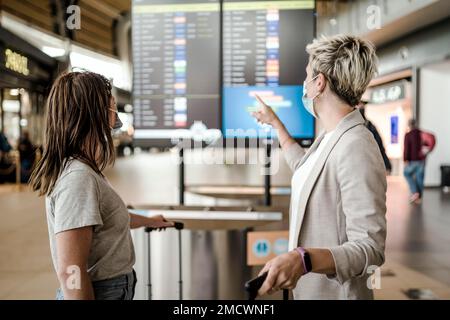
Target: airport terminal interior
point(184, 76)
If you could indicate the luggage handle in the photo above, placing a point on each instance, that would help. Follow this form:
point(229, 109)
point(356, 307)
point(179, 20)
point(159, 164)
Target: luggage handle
point(177, 225)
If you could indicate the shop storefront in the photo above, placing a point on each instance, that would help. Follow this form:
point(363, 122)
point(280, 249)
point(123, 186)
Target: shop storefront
point(24, 86)
point(413, 83)
point(26, 75)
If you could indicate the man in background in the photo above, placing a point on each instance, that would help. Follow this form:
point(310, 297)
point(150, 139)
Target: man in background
point(418, 145)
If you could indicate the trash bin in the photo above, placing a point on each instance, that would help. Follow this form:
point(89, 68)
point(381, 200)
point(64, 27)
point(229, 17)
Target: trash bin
point(445, 176)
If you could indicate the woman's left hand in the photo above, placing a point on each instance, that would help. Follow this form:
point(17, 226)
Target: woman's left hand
point(284, 271)
point(159, 222)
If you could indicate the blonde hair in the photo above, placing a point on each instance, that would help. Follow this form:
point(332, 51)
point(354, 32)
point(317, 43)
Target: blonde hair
point(347, 62)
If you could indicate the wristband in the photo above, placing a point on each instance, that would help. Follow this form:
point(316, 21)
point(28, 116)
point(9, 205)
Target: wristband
point(306, 259)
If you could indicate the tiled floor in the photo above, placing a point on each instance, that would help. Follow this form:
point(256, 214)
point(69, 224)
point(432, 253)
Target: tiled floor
point(25, 266)
point(418, 239)
point(418, 250)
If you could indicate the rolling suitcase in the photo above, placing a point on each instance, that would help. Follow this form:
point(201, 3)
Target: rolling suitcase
point(178, 226)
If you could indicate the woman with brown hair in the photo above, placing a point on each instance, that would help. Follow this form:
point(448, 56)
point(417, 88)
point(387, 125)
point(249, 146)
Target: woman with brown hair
point(89, 224)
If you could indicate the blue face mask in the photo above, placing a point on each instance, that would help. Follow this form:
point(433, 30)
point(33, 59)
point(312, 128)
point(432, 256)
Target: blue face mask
point(309, 102)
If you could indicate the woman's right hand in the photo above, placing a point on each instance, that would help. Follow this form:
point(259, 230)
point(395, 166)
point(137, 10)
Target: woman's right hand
point(265, 114)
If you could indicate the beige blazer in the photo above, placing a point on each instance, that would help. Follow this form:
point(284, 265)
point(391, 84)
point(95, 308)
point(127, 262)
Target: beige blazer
point(342, 207)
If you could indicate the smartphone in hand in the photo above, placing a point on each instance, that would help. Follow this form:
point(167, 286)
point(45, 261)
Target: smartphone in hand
point(252, 286)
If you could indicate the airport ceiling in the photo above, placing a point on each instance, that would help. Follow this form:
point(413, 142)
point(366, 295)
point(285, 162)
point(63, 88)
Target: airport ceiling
point(97, 18)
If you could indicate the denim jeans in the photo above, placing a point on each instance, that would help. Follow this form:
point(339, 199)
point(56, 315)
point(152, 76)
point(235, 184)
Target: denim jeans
point(414, 173)
point(118, 288)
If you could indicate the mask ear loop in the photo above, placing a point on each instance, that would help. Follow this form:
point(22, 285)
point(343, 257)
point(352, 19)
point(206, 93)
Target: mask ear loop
point(317, 95)
point(312, 80)
point(115, 115)
point(317, 115)
point(319, 92)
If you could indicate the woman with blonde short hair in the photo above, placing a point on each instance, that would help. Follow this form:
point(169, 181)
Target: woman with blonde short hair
point(338, 203)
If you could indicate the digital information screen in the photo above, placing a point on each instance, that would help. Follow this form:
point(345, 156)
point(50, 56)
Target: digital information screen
point(176, 59)
point(264, 53)
point(178, 82)
point(239, 102)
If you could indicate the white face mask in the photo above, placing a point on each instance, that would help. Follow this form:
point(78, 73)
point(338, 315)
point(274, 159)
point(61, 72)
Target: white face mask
point(117, 123)
point(308, 102)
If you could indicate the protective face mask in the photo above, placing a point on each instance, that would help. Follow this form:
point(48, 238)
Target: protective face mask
point(309, 102)
point(117, 124)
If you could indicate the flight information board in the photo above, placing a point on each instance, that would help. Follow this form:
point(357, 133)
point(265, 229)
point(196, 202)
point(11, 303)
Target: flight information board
point(176, 59)
point(264, 53)
point(198, 65)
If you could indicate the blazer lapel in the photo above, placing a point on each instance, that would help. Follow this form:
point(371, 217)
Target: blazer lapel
point(351, 120)
point(313, 147)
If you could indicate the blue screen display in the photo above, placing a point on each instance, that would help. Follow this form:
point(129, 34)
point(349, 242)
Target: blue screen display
point(394, 129)
point(286, 101)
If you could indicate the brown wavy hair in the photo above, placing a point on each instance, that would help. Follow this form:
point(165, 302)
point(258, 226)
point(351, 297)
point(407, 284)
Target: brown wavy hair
point(77, 126)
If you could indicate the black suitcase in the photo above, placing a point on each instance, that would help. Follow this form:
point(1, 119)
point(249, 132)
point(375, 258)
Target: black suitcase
point(178, 226)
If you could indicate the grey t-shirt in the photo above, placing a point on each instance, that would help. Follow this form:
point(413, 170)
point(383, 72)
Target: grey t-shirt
point(83, 198)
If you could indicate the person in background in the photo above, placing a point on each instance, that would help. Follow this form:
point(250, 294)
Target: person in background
point(338, 201)
point(369, 125)
point(5, 147)
point(27, 156)
point(417, 146)
point(428, 142)
point(88, 223)
point(7, 167)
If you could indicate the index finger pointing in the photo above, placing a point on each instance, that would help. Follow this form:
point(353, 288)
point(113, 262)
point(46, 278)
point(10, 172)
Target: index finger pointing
point(260, 100)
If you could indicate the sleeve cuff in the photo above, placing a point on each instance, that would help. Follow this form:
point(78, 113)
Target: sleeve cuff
point(83, 223)
point(338, 260)
point(345, 268)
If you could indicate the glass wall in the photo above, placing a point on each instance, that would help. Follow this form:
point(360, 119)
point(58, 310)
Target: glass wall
point(22, 110)
point(11, 115)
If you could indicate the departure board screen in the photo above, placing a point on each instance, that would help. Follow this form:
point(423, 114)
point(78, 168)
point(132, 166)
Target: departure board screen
point(264, 53)
point(176, 59)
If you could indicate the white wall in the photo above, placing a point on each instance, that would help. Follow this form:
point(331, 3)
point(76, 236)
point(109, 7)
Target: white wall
point(434, 116)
